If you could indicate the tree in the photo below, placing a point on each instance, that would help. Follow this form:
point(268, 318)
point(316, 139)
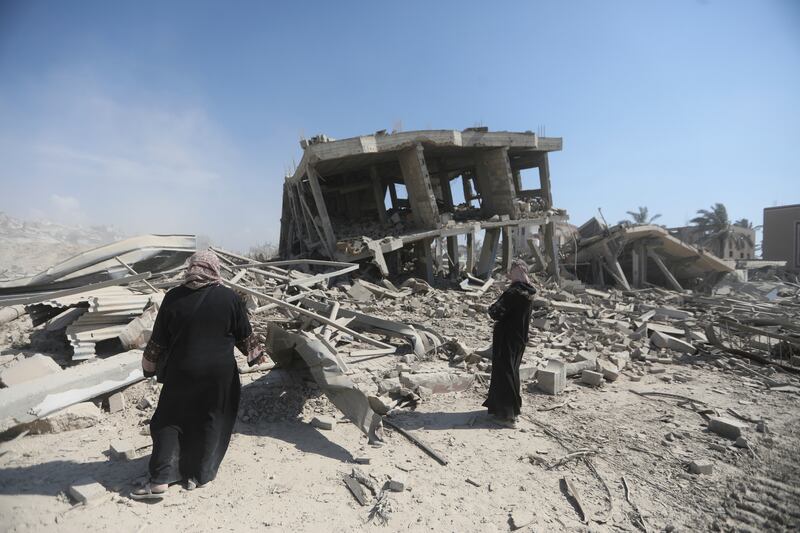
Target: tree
point(640, 217)
point(744, 223)
point(716, 229)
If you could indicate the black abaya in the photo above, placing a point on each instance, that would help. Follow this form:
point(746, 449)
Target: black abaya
point(512, 312)
point(192, 425)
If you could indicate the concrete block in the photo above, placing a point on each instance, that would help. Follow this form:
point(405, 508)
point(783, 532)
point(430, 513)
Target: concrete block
point(590, 377)
point(520, 518)
point(33, 367)
point(662, 340)
point(541, 323)
point(610, 373)
point(553, 379)
point(380, 404)
point(323, 422)
point(742, 442)
point(122, 449)
point(438, 382)
point(526, 372)
point(398, 483)
point(726, 427)
point(701, 467)
point(87, 491)
point(78, 416)
point(573, 369)
point(116, 402)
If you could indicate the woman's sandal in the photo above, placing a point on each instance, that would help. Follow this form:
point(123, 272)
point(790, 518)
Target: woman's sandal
point(147, 493)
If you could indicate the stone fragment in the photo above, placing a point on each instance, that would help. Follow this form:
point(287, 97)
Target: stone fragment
point(663, 340)
point(398, 483)
point(323, 422)
point(359, 292)
point(438, 382)
point(527, 371)
point(701, 467)
point(742, 442)
point(610, 373)
point(122, 449)
point(541, 323)
point(795, 360)
point(590, 377)
point(78, 416)
point(87, 491)
point(573, 369)
point(552, 379)
point(726, 427)
point(520, 518)
point(116, 402)
point(657, 370)
point(28, 369)
point(380, 404)
point(362, 460)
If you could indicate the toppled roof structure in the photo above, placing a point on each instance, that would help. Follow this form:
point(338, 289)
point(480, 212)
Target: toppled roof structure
point(639, 256)
point(335, 204)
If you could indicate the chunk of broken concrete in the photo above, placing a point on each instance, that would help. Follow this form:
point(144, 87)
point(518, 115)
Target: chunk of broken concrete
point(701, 467)
point(398, 483)
point(28, 369)
point(438, 382)
point(520, 518)
point(116, 402)
point(552, 379)
point(323, 422)
point(87, 491)
point(590, 377)
point(726, 427)
point(662, 340)
point(122, 449)
point(78, 416)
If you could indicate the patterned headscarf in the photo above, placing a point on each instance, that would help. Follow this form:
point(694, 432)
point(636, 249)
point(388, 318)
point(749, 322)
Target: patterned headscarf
point(519, 271)
point(203, 270)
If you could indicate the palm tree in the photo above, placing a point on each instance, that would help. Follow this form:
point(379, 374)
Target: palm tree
point(641, 217)
point(744, 223)
point(716, 229)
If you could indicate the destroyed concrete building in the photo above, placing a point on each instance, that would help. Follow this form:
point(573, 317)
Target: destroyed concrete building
point(782, 235)
point(335, 204)
point(741, 244)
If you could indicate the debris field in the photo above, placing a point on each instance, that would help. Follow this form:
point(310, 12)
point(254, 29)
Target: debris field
point(660, 391)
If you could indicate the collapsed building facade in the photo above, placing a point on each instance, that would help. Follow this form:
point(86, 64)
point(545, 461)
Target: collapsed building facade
point(335, 204)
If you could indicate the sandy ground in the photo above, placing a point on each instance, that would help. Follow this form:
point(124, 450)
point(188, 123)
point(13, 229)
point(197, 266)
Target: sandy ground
point(282, 474)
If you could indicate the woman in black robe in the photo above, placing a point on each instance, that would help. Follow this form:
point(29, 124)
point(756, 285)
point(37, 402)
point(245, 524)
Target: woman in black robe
point(196, 328)
point(512, 314)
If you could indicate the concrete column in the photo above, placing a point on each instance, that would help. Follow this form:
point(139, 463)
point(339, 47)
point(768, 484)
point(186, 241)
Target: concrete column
point(393, 194)
point(378, 193)
point(452, 254)
point(322, 209)
point(508, 248)
point(496, 183)
point(491, 241)
point(551, 251)
point(470, 266)
point(418, 184)
point(425, 259)
point(544, 181)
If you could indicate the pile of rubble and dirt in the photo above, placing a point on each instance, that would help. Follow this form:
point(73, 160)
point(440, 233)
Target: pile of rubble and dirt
point(645, 407)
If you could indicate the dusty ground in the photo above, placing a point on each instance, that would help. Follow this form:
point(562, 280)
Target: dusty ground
point(282, 474)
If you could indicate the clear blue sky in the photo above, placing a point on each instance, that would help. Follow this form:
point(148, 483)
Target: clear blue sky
point(184, 116)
